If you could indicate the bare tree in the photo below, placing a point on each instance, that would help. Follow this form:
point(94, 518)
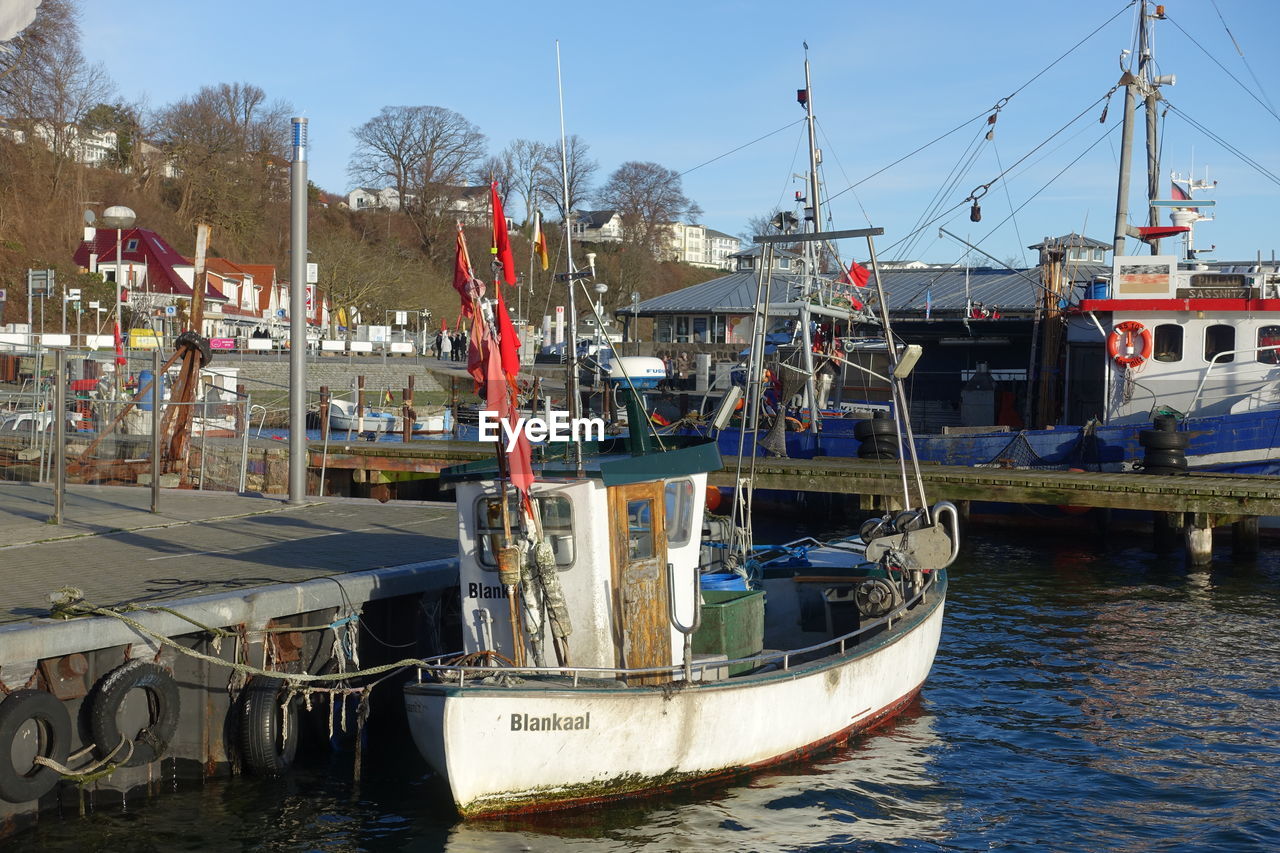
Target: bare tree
point(229, 146)
point(48, 87)
point(359, 277)
point(497, 168)
point(648, 197)
point(579, 169)
point(527, 162)
point(423, 151)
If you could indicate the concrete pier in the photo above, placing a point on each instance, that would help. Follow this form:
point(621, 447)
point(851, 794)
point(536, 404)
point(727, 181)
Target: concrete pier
point(239, 579)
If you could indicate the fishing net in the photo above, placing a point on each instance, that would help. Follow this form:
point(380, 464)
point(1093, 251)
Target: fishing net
point(1083, 453)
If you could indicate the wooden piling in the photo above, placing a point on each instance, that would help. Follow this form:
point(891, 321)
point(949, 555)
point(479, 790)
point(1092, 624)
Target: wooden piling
point(1166, 527)
point(1244, 537)
point(406, 413)
point(359, 403)
point(242, 410)
point(1199, 539)
point(324, 412)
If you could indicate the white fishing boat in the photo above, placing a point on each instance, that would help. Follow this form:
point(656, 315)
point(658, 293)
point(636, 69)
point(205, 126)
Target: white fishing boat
point(656, 682)
point(603, 653)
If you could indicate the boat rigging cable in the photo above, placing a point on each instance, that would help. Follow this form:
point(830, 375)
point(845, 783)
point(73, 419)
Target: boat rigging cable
point(1262, 170)
point(998, 106)
point(1266, 105)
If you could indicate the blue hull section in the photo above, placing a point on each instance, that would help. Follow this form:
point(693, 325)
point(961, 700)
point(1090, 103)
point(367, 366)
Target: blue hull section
point(1247, 443)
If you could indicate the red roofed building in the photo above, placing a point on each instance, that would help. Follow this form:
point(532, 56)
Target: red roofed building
point(240, 299)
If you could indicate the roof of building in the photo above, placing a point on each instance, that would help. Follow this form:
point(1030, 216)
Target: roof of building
point(151, 250)
point(907, 291)
point(711, 232)
point(1071, 241)
point(595, 218)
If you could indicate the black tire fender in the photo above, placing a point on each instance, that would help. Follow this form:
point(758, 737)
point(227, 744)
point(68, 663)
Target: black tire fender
point(268, 736)
point(197, 342)
point(163, 704)
point(1160, 440)
point(54, 731)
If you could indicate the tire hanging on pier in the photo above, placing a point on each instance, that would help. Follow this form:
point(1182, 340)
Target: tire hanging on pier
point(51, 733)
point(163, 706)
point(269, 726)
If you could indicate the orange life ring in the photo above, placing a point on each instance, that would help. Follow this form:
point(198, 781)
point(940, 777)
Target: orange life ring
point(1122, 346)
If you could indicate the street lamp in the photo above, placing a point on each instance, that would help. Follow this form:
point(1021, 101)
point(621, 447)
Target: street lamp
point(635, 319)
point(119, 217)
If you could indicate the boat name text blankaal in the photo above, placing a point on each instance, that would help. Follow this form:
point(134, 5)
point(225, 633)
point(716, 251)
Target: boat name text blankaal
point(553, 723)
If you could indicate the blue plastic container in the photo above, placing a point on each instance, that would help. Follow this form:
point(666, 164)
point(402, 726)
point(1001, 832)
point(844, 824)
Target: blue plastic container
point(145, 402)
point(1098, 290)
point(726, 580)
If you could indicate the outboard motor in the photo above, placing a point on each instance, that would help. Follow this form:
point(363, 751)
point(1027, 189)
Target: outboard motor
point(1166, 448)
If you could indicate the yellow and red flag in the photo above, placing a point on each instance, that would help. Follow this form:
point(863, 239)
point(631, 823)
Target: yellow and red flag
point(540, 240)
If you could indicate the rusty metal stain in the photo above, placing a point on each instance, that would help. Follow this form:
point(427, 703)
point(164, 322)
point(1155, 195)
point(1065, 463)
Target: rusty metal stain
point(65, 676)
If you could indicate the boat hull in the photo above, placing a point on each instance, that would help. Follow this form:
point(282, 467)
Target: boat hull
point(534, 747)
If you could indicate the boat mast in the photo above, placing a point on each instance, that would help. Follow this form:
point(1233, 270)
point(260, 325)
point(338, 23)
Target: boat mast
point(1142, 82)
point(813, 250)
point(571, 381)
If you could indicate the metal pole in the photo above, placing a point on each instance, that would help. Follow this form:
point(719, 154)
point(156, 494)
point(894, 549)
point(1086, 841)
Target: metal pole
point(60, 436)
point(298, 316)
point(156, 384)
point(119, 315)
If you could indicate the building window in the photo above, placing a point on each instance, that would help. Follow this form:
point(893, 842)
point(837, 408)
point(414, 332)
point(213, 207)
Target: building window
point(682, 330)
point(784, 263)
point(718, 330)
point(1219, 339)
point(1168, 342)
point(131, 246)
point(1268, 336)
point(662, 330)
point(700, 330)
point(1097, 254)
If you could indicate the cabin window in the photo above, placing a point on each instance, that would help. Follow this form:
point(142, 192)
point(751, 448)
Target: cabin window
point(1219, 339)
point(557, 525)
point(1097, 255)
point(679, 507)
point(640, 530)
point(1168, 342)
point(1268, 336)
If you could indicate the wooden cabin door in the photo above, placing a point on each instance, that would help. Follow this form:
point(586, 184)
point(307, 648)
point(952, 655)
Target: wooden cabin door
point(638, 527)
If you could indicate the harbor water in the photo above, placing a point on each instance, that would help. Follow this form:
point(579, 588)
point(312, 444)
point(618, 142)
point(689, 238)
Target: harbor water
point(1086, 696)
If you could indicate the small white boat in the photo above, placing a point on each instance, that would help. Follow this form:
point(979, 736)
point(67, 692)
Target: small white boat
point(639, 698)
point(344, 417)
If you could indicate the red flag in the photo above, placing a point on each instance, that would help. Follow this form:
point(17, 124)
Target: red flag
point(121, 361)
point(462, 274)
point(475, 352)
point(510, 344)
point(858, 275)
point(501, 240)
point(444, 325)
point(1179, 194)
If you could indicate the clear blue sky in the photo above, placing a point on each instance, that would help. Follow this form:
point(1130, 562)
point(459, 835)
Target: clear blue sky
point(680, 83)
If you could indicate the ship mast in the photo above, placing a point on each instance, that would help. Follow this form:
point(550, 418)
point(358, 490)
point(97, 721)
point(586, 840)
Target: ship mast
point(1139, 80)
point(813, 213)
